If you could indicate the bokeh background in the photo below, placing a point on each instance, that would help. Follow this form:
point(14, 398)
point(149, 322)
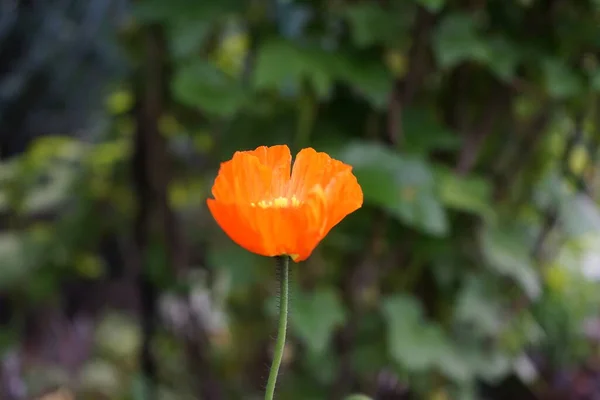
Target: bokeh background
point(471, 272)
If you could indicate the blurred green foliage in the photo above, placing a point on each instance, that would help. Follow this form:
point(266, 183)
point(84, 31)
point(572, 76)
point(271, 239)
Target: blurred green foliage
point(473, 130)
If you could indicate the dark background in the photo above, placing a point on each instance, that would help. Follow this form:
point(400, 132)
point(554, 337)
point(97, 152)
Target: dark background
point(471, 272)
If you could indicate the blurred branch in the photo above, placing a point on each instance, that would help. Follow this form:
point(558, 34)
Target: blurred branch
point(307, 115)
point(497, 106)
point(456, 104)
point(550, 218)
point(576, 140)
point(418, 54)
point(364, 276)
point(394, 121)
point(366, 273)
point(150, 171)
point(156, 222)
point(531, 134)
point(403, 92)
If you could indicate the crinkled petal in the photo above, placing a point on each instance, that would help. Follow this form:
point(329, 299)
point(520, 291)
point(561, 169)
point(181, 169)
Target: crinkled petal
point(279, 160)
point(344, 196)
point(321, 191)
point(243, 179)
point(313, 169)
point(269, 231)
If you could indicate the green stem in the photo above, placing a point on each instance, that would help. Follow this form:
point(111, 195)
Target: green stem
point(283, 264)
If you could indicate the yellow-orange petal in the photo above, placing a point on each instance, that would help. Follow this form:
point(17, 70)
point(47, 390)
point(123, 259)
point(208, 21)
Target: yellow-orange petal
point(279, 159)
point(253, 175)
point(242, 179)
point(344, 196)
point(342, 193)
point(268, 231)
point(312, 168)
point(268, 211)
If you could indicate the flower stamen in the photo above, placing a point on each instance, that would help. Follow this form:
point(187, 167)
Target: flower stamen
point(279, 202)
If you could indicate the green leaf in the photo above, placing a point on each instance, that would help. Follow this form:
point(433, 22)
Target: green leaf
point(505, 250)
point(369, 355)
point(12, 255)
point(579, 215)
point(402, 185)
point(560, 81)
point(417, 345)
point(281, 62)
point(52, 193)
point(298, 386)
point(502, 58)
point(595, 80)
point(369, 78)
point(176, 10)
point(284, 65)
point(202, 85)
point(423, 133)
point(488, 365)
point(408, 343)
point(476, 308)
point(358, 397)
point(186, 38)
point(465, 193)
point(371, 24)
point(239, 265)
point(457, 39)
point(432, 5)
point(314, 317)
point(322, 365)
point(551, 191)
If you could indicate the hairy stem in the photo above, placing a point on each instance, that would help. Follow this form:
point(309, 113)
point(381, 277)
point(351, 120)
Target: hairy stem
point(283, 265)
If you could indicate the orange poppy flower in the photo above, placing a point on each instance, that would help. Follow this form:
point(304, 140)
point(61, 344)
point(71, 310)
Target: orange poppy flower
point(270, 209)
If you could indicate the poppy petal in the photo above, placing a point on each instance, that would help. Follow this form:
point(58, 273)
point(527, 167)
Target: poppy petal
point(344, 196)
point(312, 168)
point(266, 231)
point(279, 160)
point(242, 179)
point(267, 210)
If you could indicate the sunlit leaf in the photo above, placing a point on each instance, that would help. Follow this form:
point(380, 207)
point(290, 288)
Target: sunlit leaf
point(13, 266)
point(315, 316)
point(470, 194)
point(201, 85)
point(423, 133)
point(370, 23)
point(368, 78)
point(561, 82)
point(416, 344)
point(457, 39)
point(403, 185)
point(432, 5)
point(281, 63)
point(241, 266)
point(475, 307)
point(506, 252)
point(580, 215)
point(177, 10)
point(120, 102)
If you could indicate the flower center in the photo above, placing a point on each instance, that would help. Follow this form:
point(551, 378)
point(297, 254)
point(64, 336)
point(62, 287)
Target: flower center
point(279, 202)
